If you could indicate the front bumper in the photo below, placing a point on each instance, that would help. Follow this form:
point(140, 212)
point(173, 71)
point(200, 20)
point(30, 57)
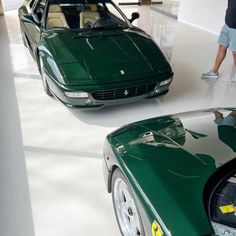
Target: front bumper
point(91, 102)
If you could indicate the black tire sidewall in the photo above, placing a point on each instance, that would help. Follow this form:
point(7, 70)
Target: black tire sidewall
point(24, 39)
point(45, 86)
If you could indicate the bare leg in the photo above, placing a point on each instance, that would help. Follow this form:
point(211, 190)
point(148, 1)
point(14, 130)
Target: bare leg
point(218, 115)
point(233, 80)
point(234, 56)
point(220, 57)
point(233, 113)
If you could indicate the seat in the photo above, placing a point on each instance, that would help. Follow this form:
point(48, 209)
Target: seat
point(56, 17)
point(89, 16)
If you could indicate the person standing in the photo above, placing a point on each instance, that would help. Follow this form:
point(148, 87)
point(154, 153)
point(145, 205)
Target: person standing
point(227, 40)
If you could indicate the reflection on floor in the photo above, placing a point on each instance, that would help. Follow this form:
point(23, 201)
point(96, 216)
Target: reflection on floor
point(64, 147)
point(168, 8)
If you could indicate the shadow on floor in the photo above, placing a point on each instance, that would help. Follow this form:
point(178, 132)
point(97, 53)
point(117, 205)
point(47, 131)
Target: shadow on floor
point(62, 152)
point(26, 76)
point(116, 116)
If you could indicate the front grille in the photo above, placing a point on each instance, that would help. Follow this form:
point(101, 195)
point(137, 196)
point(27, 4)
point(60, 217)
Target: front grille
point(121, 93)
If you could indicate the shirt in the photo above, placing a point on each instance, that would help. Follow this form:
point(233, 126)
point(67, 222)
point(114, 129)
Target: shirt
point(230, 17)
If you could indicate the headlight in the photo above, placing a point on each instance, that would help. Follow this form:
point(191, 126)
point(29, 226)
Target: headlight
point(165, 82)
point(76, 94)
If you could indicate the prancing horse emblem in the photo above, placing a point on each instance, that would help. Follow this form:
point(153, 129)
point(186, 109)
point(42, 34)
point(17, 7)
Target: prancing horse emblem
point(126, 92)
point(122, 72)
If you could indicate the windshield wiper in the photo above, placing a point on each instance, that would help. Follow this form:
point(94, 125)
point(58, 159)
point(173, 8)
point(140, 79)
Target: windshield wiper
point(97, 32)
point(59, 28)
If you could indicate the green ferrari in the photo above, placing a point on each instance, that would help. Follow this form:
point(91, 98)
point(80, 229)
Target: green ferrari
point(89, 54)
point(174, 175)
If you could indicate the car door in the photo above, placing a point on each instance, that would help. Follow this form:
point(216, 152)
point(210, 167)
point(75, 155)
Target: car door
point(33, 29)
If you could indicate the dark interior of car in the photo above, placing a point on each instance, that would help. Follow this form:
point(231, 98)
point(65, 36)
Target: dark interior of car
point(223, 203)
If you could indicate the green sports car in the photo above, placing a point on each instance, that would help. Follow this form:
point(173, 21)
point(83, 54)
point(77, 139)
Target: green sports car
point(90, 55)
point(174, 175)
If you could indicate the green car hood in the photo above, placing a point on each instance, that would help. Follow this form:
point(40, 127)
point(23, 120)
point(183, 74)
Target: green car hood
point(106, 56)
point(170, 159)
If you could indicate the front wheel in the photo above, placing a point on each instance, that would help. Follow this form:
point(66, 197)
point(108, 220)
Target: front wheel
point(125, 207)
point(24, 39)
point(43, 75)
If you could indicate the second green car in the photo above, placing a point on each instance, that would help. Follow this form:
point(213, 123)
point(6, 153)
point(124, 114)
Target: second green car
point(174, 175)
point(90, 55)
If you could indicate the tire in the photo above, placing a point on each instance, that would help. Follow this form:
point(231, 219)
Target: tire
point(43, 75)
point(125, 206)
point(25, 42)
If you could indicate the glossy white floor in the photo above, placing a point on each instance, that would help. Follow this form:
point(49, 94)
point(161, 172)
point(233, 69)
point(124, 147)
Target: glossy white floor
point(63, 147)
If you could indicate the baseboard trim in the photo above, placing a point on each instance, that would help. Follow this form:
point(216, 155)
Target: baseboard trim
point(153, 3)
point(128, 3)
point(199, 27)
point(166, 13)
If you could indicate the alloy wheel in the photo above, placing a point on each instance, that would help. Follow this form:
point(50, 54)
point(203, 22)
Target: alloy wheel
point(126, 210)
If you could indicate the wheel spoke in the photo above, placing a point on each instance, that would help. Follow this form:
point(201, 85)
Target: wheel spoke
point(133, 228)
point(125, 208)
point(127, 194)
point(135, 221)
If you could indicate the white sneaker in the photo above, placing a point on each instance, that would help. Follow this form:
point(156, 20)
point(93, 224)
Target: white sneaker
point(233, 81)
point(210, 75)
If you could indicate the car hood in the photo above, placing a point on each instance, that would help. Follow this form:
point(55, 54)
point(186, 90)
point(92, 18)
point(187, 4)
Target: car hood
point(106, 56)
point(171, 158)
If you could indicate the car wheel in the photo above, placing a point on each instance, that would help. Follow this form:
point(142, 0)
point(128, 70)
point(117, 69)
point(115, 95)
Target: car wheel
point(24, 39)
point(125, 206)
point(43, 75)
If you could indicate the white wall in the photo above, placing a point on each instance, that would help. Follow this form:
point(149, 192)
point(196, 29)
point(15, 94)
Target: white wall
point(205, 14)
point(11, 4)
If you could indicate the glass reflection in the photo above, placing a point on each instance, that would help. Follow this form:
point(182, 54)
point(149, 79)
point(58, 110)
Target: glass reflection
point(226, 127)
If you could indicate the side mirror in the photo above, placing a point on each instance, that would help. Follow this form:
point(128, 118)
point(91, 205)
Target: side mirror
point(134, 16)
point(29, 19)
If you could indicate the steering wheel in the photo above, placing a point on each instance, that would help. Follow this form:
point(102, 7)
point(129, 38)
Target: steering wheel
point(105, 22)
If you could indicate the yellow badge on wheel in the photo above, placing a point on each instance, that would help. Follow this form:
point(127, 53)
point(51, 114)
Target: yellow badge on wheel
point(156, 229)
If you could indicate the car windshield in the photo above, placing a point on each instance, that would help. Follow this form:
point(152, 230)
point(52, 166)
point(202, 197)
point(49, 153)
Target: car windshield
point(84, 16)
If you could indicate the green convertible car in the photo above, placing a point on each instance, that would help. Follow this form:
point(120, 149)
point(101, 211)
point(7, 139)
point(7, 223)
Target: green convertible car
point(174, 175)
point(90, 55)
